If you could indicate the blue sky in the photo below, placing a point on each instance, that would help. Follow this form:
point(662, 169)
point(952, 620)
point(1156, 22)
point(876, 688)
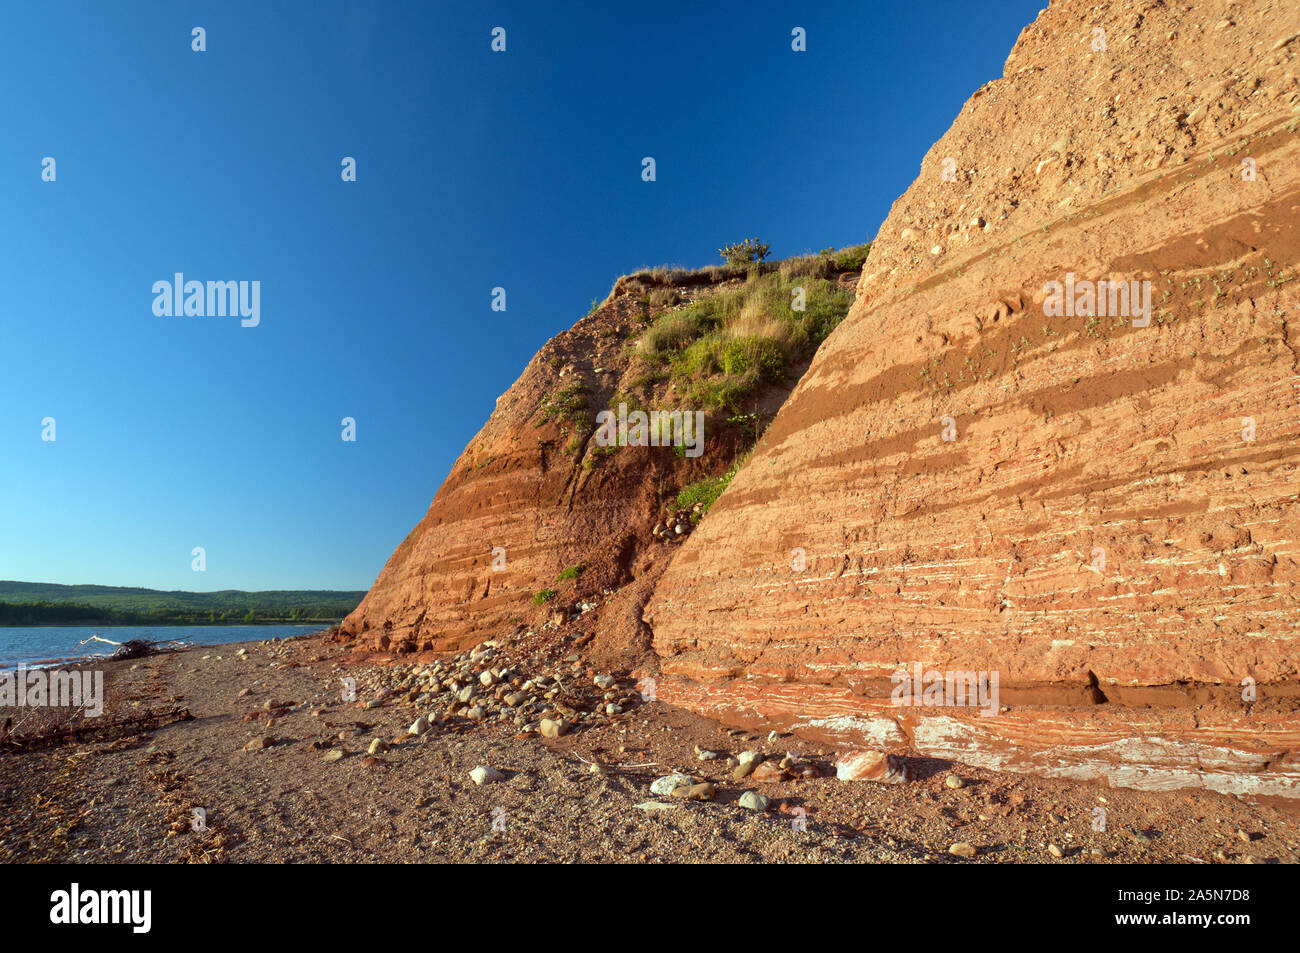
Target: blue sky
point(475, 169)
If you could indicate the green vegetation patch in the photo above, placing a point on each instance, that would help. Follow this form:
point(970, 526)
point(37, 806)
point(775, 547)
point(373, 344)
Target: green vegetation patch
point(716, 351)
point(707, 491)
point(567, 405)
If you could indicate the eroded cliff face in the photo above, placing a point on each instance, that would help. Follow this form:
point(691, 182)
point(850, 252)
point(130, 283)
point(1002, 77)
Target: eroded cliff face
point(537, 517)
point(519, 507)
point(1097, 509)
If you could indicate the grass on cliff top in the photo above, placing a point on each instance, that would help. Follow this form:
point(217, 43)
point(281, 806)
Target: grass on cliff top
point(822, 264)
point(716, 351)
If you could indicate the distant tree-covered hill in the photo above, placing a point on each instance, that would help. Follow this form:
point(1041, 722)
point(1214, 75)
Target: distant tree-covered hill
point(38, 603)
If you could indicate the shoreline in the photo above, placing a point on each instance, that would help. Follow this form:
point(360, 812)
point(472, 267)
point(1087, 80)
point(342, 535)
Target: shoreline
point(258, 735)
point(48, 662)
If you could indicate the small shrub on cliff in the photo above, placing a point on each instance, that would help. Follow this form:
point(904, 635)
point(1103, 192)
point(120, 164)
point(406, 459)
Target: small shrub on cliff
point(573, 572)
point(545, 595)
point(743, 253)
point(747, 423)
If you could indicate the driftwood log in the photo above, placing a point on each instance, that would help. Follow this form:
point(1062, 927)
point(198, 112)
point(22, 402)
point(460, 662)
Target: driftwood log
point(87, 729)
point(137, 648)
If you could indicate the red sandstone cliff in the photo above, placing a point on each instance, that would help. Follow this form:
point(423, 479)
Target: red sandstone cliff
point(1113, 528)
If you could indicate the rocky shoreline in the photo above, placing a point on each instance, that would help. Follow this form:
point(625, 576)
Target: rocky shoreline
point(305, 751)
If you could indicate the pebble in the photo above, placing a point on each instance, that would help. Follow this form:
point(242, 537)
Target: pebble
point(748, 761)
point(962, 849)
point(419, 726)
point(695, 792)
point(1055, 851)
point(550, 728)
point(335, 755)
point(486, 775)
point(378, 746)
point(871, 766)
point(669, 783)
point(604, 682)
point(953, 781)
point(754, 801)
point(257, 744)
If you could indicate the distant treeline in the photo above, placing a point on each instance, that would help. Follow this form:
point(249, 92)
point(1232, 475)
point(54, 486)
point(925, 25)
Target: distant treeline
point(72, 613)
point(43, 603)
point(233, 602)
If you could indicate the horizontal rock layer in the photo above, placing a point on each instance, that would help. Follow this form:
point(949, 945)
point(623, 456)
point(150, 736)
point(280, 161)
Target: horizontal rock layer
point(1115, 508)
point(1244, 754)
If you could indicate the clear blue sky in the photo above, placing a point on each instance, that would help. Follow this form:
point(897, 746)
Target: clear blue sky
point(475, 169)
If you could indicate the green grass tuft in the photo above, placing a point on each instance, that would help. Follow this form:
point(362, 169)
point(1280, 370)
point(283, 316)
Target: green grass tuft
point(718, 350)
point(708, 490)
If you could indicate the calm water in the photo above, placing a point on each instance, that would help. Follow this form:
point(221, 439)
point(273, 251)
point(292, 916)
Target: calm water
point(50, 643)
